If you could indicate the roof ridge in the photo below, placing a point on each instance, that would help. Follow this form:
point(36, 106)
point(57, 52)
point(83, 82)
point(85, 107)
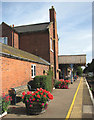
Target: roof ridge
point(31, 24)
point(12, 28)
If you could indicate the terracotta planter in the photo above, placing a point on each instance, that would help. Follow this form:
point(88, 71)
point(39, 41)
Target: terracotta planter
point(35, 109)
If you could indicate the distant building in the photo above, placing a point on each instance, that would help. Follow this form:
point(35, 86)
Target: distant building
point(27, 41)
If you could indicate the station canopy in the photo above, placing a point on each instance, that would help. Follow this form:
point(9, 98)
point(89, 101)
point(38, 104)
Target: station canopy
point(72, 59)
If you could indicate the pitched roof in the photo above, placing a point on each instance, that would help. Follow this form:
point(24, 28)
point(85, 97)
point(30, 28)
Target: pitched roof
point(19, 54)
point(32, 27)
point(3, 23)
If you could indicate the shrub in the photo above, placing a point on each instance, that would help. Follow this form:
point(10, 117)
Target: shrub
point(44, 82)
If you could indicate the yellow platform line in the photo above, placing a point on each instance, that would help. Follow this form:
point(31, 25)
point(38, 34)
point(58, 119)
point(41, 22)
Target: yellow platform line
point(70, 109)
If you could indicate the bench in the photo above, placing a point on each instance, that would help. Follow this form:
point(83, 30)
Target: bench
point(16, 93)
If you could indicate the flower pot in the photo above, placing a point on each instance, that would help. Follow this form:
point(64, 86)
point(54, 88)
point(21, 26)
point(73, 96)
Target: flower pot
point(35, 109)
point(3, 114)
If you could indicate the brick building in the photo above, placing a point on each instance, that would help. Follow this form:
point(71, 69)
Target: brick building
point(38, 39)
point(19, 67)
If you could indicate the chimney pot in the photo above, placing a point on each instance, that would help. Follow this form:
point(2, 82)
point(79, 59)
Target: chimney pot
point(52, 7)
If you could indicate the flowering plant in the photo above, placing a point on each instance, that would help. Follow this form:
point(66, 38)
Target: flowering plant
point(41, 96)
point(62, 84)
point(6, 100)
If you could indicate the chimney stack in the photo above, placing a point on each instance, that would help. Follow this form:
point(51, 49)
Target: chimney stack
point(55, 40)
point(53, 15)
point(13, 25)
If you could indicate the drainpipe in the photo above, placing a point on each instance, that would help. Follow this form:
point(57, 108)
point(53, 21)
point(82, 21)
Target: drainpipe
point(54, 59)
point(13, 35)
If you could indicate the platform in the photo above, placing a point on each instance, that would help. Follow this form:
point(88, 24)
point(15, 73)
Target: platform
point(69, 103)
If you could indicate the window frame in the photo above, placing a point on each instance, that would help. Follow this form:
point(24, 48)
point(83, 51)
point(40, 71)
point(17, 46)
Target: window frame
point(51, 45)
point(33, 70)
point(4, 40)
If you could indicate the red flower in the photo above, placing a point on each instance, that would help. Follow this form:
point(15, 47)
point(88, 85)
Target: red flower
point(22, 97)
point(44, 95)
point(36, 92)
point(41, 93)
point(33, 99)
point(47, 92)
point(44, 90)
point(50, 96)
point(33, 94)
point(38, 96)
point(28, 92)
point(62, 80)
point(41, 89)
point(23, 93)
point(3, 94)
point(30, 105)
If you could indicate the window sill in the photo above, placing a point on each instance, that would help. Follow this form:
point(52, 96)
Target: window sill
point(33, 76)
point(51, 50)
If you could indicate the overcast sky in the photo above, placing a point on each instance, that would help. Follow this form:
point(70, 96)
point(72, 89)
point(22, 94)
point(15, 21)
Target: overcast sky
point(74, 22)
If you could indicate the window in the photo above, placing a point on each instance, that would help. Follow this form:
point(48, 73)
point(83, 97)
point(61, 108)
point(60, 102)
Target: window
point(33, 70)
point(4, 40)
point(51, 41)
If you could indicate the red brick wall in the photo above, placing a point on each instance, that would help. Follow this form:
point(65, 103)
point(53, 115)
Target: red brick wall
point(51, 52)
point(40, 68)
point(16, 72)
point(36, 43)
point(8, 32)
point(53, 19)
point(16, 40)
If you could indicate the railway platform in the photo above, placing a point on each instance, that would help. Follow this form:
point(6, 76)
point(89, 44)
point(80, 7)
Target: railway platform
point(72, 103)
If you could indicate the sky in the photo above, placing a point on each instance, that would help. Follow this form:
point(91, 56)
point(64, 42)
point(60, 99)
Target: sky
point(74, 22)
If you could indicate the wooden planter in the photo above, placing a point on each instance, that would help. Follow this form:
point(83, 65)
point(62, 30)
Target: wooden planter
point(35, 110)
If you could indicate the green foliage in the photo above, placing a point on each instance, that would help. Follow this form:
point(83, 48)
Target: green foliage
point(90, 67)
point(79, 71)
point(6, 100)
point(43, 81)
point(57, 84)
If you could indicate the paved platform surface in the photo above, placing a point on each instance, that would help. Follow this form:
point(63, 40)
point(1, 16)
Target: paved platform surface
point(60, 105)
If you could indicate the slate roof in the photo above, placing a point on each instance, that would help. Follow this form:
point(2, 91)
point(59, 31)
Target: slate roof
point(20, 54)
point(32, 27)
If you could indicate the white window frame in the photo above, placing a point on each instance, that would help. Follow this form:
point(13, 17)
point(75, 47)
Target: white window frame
point(33, 70)
point(51, 42)
point(4, 40)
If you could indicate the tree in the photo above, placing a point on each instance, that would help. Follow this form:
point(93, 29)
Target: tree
point(90, 67)
point(79, 71)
